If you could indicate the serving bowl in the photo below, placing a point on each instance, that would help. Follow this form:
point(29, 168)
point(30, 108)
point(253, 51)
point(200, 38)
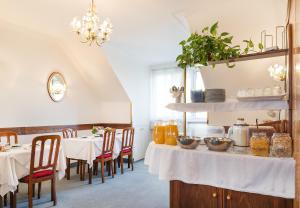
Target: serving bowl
point(187, 142)
point(220, 144)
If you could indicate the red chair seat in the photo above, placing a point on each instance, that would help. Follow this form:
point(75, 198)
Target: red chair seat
point(127, 150)
point(106, 155)
point(38, 174)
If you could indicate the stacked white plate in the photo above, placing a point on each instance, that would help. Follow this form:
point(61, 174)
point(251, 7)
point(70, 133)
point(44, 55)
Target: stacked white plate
point(215, 95)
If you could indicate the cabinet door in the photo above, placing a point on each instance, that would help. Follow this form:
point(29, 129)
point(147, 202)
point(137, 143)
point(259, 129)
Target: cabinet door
point(235, 199)
point(184, 195)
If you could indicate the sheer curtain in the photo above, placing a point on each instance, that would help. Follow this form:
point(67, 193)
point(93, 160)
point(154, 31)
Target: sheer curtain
point(161, 82)
point(162, 79)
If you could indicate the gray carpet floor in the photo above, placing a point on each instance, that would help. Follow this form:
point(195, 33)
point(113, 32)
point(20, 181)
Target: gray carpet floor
point(133, 189)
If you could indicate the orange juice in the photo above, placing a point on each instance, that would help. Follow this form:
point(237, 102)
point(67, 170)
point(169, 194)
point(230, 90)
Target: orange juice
point(171, 133)
point(159, 133)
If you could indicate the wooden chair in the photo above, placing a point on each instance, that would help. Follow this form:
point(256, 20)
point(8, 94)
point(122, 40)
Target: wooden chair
point(8, 136)
point(45, 169)
point(71, 133)
point(107, 152)
point(127, 148)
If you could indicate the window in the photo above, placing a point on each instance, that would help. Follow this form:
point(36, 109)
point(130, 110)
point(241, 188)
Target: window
point(162, 79)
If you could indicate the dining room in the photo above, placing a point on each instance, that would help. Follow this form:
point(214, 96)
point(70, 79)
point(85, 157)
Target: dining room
point(152, 104)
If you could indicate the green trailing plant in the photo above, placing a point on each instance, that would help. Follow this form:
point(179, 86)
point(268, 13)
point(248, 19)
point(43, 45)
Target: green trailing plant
point(208, 47)
point(251, 48)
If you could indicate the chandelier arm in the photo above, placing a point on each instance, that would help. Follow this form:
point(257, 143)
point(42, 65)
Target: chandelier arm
point(84, 41)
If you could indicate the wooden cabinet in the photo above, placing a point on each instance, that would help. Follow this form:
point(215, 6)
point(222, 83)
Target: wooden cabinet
point(184, 195)
point(235, 199)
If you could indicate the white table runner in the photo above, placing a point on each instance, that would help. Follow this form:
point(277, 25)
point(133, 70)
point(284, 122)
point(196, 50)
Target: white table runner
point(88, 148)
point(15, 164)
point(246, 173)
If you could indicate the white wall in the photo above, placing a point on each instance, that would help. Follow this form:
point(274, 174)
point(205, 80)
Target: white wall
point(27, 58)
point(136, 81)
point(244, 20)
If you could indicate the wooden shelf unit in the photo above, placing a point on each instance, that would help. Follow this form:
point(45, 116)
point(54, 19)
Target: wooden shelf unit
point(229, 106)
point(254, 56)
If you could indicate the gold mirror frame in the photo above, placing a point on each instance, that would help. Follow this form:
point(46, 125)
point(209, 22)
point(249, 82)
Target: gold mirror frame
point(56, 93)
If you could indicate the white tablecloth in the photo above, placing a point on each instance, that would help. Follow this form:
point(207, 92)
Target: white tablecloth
point(246, 173)
point(15, 164)
point(88, 148)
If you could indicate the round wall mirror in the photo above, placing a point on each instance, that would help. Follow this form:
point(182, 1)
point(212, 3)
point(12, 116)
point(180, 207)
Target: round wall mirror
point(56, 86)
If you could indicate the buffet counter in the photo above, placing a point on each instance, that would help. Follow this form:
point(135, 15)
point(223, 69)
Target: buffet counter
point(227, 170)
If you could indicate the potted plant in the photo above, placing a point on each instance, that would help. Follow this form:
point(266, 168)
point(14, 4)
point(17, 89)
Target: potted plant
point(208, 47)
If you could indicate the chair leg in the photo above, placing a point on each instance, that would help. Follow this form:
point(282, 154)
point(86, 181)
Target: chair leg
point(131, 158)
point(53, 192)
point(95, 168)
point(108, 167)
point(77, 169)
point(68, 168)
point(90, 170)
point(30, 192)
point(39, 189)
point(33, 190)
point(122, 164)
point(102, 170)
point(1, 201)
point(13, 199)
point(119, 157)
point(5, 200)
point(115, 166)
point(128, 161)
point(112, 168)
point(83, 170)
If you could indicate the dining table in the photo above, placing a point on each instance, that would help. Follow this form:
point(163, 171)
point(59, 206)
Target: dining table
point(87, 149)
point(15, 164)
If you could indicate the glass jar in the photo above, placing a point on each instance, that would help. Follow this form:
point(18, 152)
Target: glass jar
point(259, 144)
point(171, 133)
point(158, 133)
point(281, 145)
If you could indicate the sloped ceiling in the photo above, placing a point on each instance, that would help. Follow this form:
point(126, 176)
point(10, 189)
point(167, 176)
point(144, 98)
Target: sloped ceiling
point(146, 32)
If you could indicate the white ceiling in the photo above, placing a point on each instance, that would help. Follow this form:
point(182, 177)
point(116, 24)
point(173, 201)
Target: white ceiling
point(148, 30)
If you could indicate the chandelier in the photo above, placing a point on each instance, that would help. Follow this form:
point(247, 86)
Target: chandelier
point(90, 30)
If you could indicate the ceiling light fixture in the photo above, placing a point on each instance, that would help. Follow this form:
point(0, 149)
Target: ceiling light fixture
point(90, 30)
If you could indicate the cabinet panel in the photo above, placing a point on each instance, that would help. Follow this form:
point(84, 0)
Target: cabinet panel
point(184, 195)
point(235, 199)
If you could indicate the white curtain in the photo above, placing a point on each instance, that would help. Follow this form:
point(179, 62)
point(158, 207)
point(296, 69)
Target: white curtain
point(161, 82)
point(162, 79)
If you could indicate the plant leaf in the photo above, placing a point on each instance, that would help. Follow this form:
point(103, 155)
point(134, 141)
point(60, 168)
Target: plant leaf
point(260, 46)
point(213, 29)
point(204, 29)
point(224, 33)
point(251, 45)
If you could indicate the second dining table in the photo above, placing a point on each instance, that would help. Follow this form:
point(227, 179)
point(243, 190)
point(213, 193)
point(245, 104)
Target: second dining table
point(87, 148)
point(15, 164)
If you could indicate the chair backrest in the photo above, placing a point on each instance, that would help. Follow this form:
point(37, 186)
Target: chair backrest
point(127, 138)
point(8, 136)
point(108, 141)
point(69, 133)
point(50, 160)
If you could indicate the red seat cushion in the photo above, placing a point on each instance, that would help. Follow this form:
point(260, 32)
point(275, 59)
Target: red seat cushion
point(38, 174)
point(126, 150)
point(106, 155)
